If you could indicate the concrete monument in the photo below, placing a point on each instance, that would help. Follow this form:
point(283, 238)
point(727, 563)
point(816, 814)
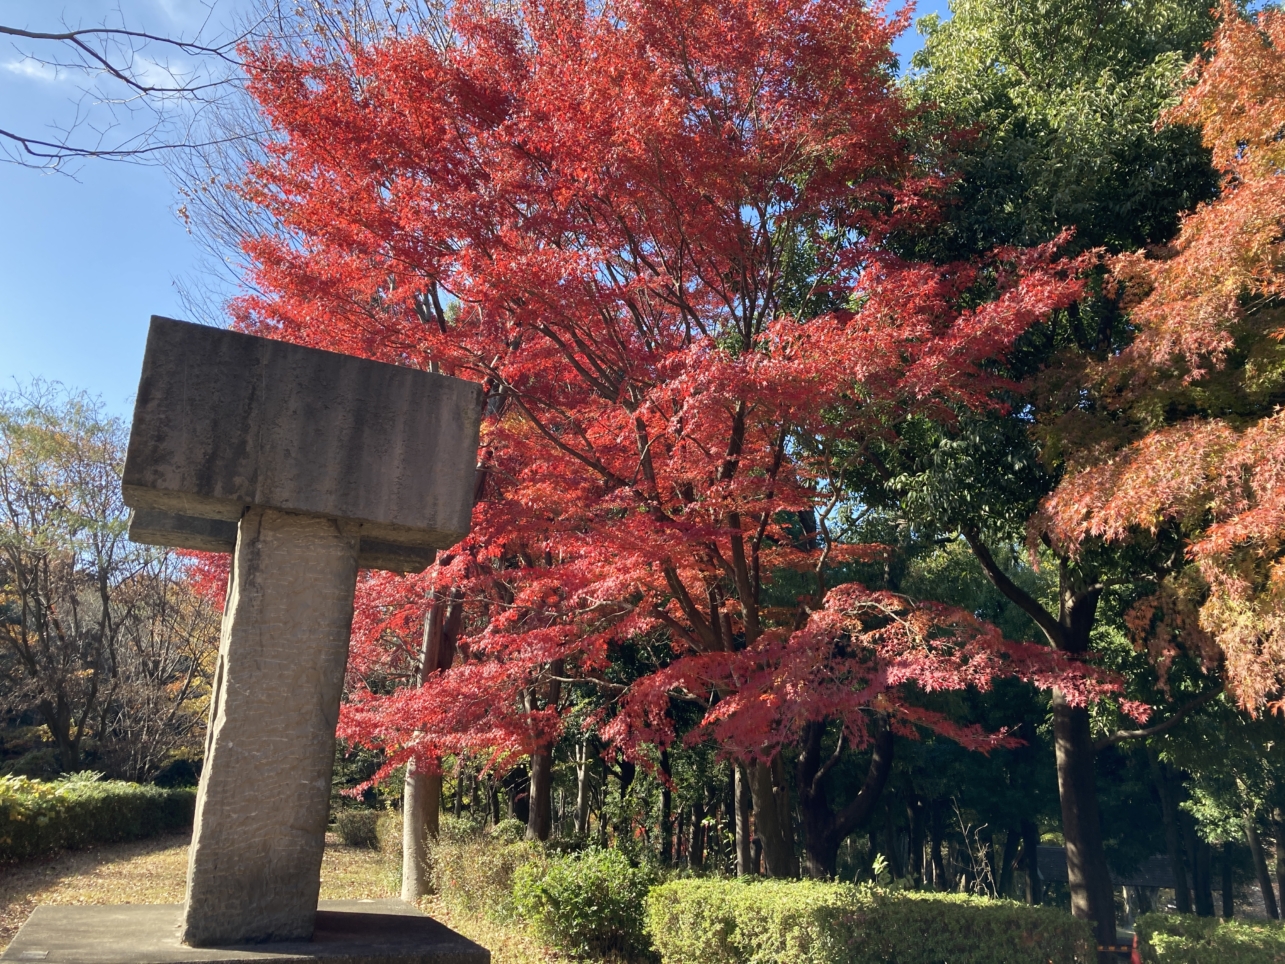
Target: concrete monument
point(307, 465)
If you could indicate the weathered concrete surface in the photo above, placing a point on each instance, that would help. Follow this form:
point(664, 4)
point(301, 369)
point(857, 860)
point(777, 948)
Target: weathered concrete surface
point(154, 528)
point(347, 932)
point(224, 420)
point(255, 862)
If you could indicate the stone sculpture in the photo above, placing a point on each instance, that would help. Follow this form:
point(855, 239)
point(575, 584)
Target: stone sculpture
point(308, 465)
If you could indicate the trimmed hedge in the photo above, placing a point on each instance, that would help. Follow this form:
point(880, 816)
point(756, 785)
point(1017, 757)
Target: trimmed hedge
point(37, 817)
point(1175, 939)
point(811, 922)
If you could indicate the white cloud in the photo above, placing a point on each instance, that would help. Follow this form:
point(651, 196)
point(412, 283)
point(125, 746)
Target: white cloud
point(34, 69)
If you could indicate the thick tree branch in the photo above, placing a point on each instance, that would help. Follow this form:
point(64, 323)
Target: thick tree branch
point(1012, 591)
point(1119, 736)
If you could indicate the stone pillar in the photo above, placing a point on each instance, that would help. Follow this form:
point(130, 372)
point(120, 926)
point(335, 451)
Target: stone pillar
point(255, 861)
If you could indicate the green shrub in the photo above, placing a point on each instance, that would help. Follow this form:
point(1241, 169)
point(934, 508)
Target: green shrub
point(357, 828)
point(451, 827)
point(810, 922)
point(1174, 939)
point(509, 830)
point(588, 904)
point(80, 810)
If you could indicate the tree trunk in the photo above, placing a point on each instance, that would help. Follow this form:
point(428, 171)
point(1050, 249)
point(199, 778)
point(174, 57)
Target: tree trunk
point(892, 843)
point(696, 839)
point(540, 815)
point(422, 795)
point(540, 801)
point(744, 835)
point(915, 817)
point(1173, 836)
point(1229, 891)
point(1008, 863)
point(417, 792)
point(1201, 873)
point(934, 851)
point(1278, 824)
point(582, 789)
point(824, 830)
point(1031, 845)
point(1260, 868)
point(666, 812)
point(1092, 896)
point(778, 846)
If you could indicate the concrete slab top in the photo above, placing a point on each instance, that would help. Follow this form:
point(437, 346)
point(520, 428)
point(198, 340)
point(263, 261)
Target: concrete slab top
point(225, 420)
point(347, 932)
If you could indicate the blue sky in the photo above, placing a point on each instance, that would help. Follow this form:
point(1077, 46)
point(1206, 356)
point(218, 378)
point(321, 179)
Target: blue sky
point(86, 260)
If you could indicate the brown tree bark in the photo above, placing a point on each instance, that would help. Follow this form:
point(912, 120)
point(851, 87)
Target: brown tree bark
point(1165, 787)
point(771, 818)
point(824, 830)
point(1031, 854)
point(1201, 871)
point(1278, 825)
point(935, 854)
point(1229, 890)
point(540, 815)
point(1008, 863)
point(1260, 867)
point(422, 792)
point(744, 832)
point(1092, 894)
point(666, 812)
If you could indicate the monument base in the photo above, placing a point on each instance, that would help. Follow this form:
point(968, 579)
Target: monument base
point(347, 932)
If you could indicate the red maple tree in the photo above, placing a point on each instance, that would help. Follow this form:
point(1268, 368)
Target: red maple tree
point(603, 213)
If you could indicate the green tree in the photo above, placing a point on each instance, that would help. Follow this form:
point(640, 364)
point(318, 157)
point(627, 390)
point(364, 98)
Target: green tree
point(1061, 102)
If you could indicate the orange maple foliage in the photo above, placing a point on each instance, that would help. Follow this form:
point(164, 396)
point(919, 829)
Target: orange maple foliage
point(1220, 476)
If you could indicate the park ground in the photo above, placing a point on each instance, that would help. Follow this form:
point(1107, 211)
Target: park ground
point(153, 872)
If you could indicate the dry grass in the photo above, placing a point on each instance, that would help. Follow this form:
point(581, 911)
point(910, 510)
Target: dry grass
point(153, 872)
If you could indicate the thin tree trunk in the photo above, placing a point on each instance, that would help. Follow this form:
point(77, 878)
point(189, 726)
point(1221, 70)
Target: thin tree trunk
point(419, 825)
point(744, 833)
point(696, 839)
point(1008, 863)
point(891, 843)
point(1173, 836)
point(666, 812)
point(422, 792)
point(540, 816)
point(915, 816)
point(1201, 875)
point(934, 850)
point(1260, 868)
point(1229, 892)
point(1031, 847)
point(1278, 824)
point(582, 789)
